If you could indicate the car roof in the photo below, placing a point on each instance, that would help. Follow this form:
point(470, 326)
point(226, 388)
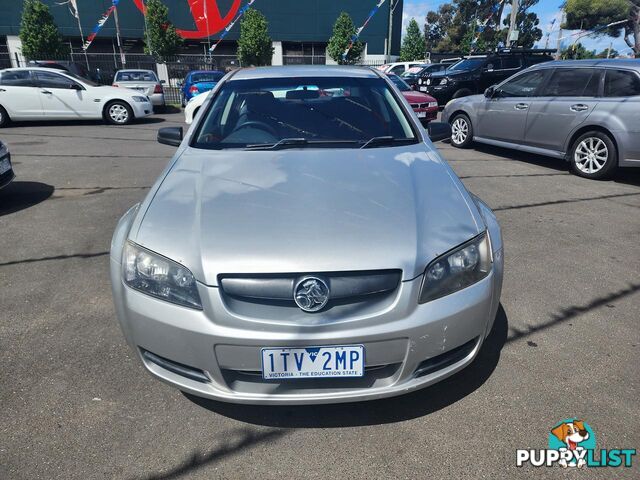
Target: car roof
point(304, 71)
point(136, 70)
point(205, 71)
point(596, 62)
point(39, 69)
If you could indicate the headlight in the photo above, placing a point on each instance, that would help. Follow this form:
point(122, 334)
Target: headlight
point(428, 82)
point(444, 81)
point(457, 269)
point(159, 277)
point(433, 104)
point(140, 99)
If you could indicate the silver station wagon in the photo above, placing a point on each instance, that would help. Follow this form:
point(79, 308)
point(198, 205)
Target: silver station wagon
point(584, 111)
point(306, 244)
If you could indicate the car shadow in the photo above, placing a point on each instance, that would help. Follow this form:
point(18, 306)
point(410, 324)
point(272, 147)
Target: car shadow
point(20, 195)
point(375, 412)
point(626, 175)
point(72, 123)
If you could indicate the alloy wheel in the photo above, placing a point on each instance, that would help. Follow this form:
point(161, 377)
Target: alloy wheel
point(591, 155)
point(118, 113)
point(459, 131)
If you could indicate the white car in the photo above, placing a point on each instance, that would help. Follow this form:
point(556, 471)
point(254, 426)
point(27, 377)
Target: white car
point(46, 94)
point(400, 67)
point(193, 106)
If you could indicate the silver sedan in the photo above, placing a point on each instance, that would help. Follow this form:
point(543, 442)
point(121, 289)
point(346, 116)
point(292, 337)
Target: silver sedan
point(306, 244)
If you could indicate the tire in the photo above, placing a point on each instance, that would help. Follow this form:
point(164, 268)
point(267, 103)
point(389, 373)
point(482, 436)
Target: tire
point(594, 155)
point(118, 112)
point(461, 131)
point(463, 92)
point(4, 118)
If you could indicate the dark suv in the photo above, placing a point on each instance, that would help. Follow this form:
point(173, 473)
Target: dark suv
point(475, 73)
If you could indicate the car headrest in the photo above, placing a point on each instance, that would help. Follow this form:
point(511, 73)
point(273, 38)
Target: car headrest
point(302, 94)
point(259, 101)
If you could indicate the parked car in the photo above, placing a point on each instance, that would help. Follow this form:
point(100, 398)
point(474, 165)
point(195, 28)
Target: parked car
point(416, 76)
point(143, 81)
point(306, 248)
point(193, 106)
point(475, 73)
point(584, 111)
point(44, 94)
point(400, 67)
point(6, 170)
point(197, 82)
point(425, 106)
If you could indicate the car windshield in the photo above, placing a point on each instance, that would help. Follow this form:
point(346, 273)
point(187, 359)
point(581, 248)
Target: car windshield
point(401, 84)
point(303, 112)
point(206, 77)
point(136, 76)
point(468, 64)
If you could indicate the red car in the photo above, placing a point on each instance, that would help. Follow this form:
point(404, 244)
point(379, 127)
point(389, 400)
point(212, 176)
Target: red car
point(425, 106)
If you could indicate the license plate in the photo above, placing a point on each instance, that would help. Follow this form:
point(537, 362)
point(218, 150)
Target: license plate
point(421, 114)
point(140, 89)
point(423, 89)
point(5, 166)
point(313, 362)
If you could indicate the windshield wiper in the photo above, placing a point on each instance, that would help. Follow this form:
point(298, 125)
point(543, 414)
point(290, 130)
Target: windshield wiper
point(378, 141)
point(283, 143)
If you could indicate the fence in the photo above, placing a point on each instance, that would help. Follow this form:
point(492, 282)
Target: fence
point(103, 66)
point(304, 59)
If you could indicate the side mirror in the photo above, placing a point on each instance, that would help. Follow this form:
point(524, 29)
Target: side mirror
point(490, 92)
point(163, 82)
point(170, 136)
point(438, 131)
point(75, 86)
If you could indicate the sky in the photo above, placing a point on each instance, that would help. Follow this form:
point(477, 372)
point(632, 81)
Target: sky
point(547, 10)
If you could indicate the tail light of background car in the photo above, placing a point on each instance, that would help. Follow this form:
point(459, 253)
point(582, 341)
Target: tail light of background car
point(115, 85)
point(158, 89)
point(193, 89)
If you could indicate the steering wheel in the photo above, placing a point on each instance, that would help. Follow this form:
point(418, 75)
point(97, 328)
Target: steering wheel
point(259, 125)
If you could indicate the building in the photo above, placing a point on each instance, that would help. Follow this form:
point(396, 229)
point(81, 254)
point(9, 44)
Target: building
point(300, 29)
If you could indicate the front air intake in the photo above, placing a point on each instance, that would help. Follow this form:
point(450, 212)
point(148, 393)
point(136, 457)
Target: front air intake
point(175, 367)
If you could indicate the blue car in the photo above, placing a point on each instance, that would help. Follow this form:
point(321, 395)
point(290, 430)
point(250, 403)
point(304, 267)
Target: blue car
point(197, 82)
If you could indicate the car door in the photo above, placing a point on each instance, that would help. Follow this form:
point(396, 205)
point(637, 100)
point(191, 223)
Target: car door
point(504, 116)
point(63, 97)
point(19, 95)
point(566, 100)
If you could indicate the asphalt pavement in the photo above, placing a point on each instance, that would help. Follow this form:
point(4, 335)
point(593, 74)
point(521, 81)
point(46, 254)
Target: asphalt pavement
point(76, 403)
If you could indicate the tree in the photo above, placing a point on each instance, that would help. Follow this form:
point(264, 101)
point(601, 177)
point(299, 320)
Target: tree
point(576, 51)
point(606, 53)
point(526, 24)
point(38, 32)
point(343, 30)
point(413, 47)
point(597, 14)
point(254, 45)
point(436, 26)
point(161, 40)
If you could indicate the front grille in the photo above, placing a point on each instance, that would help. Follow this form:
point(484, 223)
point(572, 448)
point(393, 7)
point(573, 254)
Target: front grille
point(419, 105)
point(278, 289)
point(446, 359)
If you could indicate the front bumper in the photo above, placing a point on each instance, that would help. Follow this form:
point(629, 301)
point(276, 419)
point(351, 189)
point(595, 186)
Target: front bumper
point(141, 109)
point(220, 348)
point(428, 114)
point(442, 93)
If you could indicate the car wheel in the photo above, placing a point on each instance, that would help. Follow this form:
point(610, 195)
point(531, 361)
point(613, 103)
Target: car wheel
point(4, 118)
point(461, 131)
point(119, 113)
point(593, 155)
point(463, 92)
